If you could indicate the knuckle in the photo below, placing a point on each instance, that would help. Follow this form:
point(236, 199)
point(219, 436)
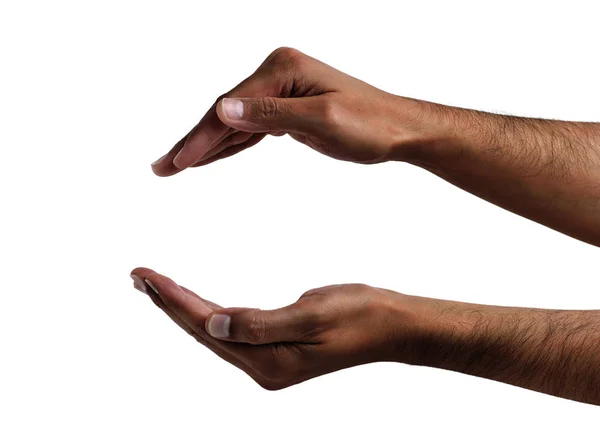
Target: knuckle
point(283, 62)
point(268, 108)
point(315, 291)
point(256, 330)
point(358, 287)
point(284, 54)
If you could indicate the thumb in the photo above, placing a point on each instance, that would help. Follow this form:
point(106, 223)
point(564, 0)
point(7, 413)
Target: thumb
point(255, 326)
point(266, 114)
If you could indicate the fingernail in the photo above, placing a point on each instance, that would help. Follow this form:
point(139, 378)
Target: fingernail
point(233, 109)
point(138, 283)
point(149, 283)
point(218, 325)
point(159, 160)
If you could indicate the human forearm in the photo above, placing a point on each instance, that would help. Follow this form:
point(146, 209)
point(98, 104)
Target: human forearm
point(548, 171)
point(545, 170)
point(336, 327)
point(551, 351)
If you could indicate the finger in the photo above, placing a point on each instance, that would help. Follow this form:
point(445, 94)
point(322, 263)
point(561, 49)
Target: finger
point(232, 150)
point(208, 303)
point(140, 274)
point(235, 138)
point(293, 323)
point(193, 311)
point(164, 167)
point(190, 308)
point(272, 114)
point(202, 137)
point(139, 281)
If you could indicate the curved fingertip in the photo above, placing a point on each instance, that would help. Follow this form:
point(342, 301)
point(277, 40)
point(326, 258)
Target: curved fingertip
point(165, 169)
point(159, 161)
point(141, 271)
point(157, 282)
point(164, 166)
point(139, 275)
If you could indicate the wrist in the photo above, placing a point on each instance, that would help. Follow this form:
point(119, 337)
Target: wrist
point(414, 323)
point(434, 332)
point(430, 134)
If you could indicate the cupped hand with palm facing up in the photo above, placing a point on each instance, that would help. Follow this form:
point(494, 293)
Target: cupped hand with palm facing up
point(327, 329)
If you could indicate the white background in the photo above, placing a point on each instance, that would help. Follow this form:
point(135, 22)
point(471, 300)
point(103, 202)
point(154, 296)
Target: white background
point(92, 92)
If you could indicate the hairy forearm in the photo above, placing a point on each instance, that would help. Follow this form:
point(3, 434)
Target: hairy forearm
point(551, 351)
point(546, 170)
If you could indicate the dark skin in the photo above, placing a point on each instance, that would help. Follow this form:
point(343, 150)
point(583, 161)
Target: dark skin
point(545, 170)
point(336, 327)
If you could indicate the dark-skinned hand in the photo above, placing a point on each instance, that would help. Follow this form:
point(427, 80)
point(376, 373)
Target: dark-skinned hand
point(293, 93)
point(327, 329)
